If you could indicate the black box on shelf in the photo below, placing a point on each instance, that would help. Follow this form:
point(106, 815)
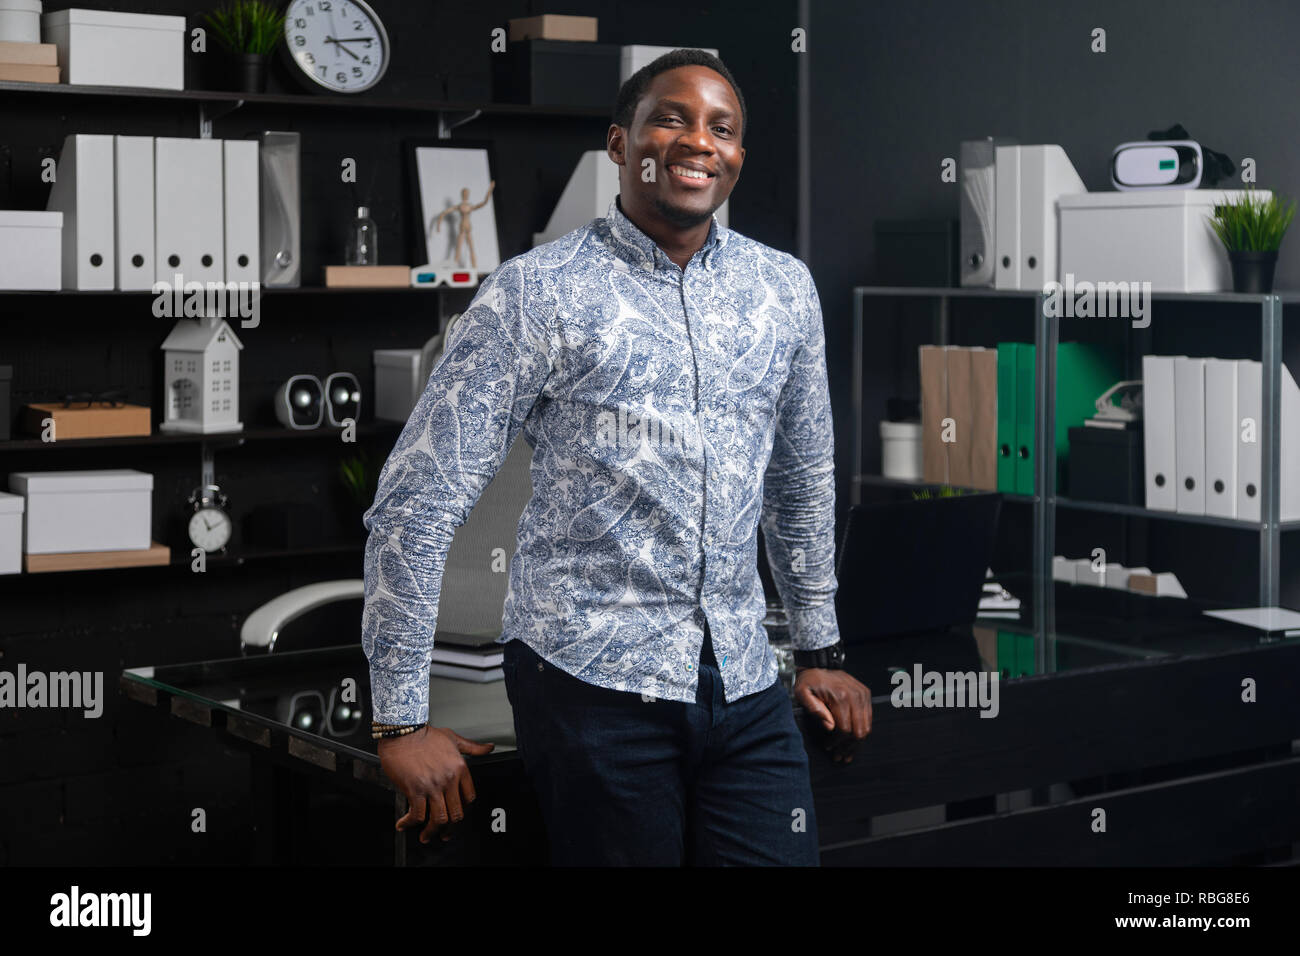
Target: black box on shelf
point(917, 252)
point(557, 73)
point(6, 409)
point(1106, 464)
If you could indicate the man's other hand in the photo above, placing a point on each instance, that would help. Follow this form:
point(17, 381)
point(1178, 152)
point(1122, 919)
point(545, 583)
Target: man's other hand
point(428, 768)
point(841, 702)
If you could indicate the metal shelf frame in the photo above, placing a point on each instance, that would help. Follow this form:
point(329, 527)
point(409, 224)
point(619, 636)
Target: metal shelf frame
point(1046, 500)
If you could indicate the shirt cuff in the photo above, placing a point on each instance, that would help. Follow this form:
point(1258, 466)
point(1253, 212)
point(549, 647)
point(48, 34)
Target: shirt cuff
point(812, 628)
point(399, 697)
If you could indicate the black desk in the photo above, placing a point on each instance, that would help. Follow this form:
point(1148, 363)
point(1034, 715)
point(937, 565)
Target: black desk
point(1140, 715)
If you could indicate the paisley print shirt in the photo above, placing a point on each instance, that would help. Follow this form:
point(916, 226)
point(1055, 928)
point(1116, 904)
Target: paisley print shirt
point(669, 411)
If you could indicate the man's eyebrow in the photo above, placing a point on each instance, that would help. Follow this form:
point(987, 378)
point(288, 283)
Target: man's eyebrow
point(685, 108)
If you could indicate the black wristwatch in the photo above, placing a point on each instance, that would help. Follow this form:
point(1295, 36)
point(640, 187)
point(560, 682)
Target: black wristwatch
point(830, 658)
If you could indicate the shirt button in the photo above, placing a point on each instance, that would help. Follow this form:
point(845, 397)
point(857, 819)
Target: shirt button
point(539, 665)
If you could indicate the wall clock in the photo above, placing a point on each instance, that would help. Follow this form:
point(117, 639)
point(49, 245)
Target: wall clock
point(339, 45)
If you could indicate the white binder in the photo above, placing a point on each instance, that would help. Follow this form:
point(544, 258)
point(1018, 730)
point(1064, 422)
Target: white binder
point(133, 208)
point(1027, 232)
point(243, 262)
point(1189, 433)
point(1158, 432)
point(1046, 174)
point(83, 192)
point(1006, 227)
point(1249, 406)
point(1289, 505)
point(189, 211)
point(1221, 427)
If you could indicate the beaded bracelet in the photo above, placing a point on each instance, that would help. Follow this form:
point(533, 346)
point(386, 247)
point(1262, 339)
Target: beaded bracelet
point(386, 731)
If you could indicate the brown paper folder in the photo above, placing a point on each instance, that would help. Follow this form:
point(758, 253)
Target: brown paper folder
point(97, 421)
point(367, 277)
point(984, 418)
point(29, 73)
point(959, 449)
point(934, 408)
point(13, 52)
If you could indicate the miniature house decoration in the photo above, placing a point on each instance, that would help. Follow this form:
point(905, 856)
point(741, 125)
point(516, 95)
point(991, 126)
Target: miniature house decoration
point(201, 377)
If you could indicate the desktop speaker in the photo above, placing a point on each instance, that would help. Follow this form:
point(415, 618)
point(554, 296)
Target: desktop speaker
point(300, 402)
point(342, 398)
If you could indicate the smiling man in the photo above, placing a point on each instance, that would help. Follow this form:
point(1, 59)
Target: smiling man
point(669, 375)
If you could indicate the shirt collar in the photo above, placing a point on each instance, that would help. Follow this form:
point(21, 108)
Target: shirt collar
point(636, 248)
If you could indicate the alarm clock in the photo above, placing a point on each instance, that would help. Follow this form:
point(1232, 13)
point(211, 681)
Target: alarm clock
point(338, 45)
point(209, 526)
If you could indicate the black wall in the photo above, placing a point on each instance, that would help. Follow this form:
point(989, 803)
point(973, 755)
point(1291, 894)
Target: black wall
point(121, 788)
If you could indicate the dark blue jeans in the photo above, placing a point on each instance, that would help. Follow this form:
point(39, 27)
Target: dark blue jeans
point(625, 781)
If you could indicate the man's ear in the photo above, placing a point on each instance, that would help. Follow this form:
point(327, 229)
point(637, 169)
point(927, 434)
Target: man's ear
point(616, 144)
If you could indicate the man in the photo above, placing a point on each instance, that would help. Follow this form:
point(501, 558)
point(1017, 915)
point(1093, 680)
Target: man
point(670, 377)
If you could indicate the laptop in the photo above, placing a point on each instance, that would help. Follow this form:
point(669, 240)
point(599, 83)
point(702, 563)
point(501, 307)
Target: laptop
point(914, 566)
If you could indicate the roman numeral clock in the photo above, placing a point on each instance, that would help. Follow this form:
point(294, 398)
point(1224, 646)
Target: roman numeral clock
point(336, 45)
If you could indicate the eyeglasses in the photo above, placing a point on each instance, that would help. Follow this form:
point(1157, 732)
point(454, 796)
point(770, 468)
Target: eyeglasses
point(114, 398)
point(428, 276)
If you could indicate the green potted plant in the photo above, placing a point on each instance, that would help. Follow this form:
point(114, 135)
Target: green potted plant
point(360, 476)
point(249, 30)
point(1251, 229)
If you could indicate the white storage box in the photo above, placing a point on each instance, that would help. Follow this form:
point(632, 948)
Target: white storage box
point(397, 383)
point(108, 510)
point(101, 48)
point(31, 249)
point(20, 21)
point(11, 533)
point(1161, 236)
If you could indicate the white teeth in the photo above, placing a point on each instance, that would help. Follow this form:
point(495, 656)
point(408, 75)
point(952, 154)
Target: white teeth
point(689, 173)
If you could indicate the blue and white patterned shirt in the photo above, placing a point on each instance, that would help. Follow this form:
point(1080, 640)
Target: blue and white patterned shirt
point(669, 411)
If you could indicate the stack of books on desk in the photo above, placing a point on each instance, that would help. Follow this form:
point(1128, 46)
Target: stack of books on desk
point(29, 62)
point(465, 657)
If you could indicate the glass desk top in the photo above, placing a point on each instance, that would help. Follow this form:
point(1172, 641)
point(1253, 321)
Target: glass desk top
point(303, 692)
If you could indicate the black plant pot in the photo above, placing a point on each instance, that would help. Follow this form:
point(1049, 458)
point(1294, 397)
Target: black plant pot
point(1252, 271)
point(251, 71)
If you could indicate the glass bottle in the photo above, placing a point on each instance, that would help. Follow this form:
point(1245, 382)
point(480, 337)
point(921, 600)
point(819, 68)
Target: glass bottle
point(363, 240)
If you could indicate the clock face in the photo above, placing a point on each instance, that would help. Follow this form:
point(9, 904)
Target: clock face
point(210, 529)
point(340, 44)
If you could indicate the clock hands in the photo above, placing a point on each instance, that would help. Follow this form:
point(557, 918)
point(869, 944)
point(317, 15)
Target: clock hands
point(339, 43)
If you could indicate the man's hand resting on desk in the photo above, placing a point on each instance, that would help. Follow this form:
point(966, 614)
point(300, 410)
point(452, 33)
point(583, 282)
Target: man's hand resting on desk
point(841, 702)
point(428, 767)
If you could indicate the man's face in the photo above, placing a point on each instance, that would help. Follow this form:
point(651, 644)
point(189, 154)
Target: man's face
point(687, 122)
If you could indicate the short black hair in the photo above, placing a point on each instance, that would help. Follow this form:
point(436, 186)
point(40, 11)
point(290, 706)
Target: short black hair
point(630, 93)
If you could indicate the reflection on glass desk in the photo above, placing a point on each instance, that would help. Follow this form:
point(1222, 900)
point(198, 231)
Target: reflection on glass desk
point(310, 693)
point(303, 692)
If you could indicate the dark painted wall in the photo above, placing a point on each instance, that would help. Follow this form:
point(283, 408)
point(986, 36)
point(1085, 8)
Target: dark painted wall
point(896, 87)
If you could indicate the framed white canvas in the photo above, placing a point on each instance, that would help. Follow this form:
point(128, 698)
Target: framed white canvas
point(440, 173)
